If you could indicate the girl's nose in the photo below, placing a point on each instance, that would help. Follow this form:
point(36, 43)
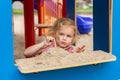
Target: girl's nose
point(64, 37)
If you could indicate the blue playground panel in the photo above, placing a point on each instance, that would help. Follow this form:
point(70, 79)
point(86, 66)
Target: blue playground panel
point(104, 71)
point(84, 24)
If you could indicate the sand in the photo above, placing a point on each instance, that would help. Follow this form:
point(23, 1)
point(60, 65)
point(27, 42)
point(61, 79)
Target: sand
point(54, 58)
point(19, 44)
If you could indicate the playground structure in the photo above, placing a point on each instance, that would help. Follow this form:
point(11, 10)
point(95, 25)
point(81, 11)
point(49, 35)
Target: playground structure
point(48, 12)
point(102, 36)
point(84, 24)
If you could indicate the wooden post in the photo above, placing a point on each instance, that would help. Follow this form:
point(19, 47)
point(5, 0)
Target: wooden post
point(64, 9)
point(29, 22)
point(40, 15)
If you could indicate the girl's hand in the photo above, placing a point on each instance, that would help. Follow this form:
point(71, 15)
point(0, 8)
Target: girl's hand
point(80, 49)
point(48, 41)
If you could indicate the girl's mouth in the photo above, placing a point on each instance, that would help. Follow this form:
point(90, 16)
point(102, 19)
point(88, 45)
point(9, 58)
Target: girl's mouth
point(64, 43)
point(61, 43)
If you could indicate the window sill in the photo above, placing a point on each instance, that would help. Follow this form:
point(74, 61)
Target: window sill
point(30, 65)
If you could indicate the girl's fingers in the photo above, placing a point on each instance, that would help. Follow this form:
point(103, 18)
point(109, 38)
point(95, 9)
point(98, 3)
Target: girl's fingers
point(49, 40)
point(81, 49)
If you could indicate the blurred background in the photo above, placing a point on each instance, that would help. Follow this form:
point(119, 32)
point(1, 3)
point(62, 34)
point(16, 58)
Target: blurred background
point(84, 19)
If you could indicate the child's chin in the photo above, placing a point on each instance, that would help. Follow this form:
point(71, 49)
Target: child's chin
point(63, 46)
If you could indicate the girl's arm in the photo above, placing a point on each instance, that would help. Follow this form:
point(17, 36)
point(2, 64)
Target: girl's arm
point(36, 49)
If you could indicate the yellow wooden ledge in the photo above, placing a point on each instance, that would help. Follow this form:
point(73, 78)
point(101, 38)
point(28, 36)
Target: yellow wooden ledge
point(112, 58)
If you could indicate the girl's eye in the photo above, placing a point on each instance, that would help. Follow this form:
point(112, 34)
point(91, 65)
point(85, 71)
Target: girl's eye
point(61, 34)
point(69, 36)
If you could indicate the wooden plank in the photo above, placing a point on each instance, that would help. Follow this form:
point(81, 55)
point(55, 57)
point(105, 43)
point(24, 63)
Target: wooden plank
point(42, 26)
point(110, 24)
point(66, 66)
point(36, 68)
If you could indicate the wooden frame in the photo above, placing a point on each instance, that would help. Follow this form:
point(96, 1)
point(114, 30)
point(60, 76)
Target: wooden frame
point(110, 24)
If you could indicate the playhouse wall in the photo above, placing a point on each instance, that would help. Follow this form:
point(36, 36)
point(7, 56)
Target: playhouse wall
point(70, 9)
point(104, 71)
point(116, 29)
point(101, 25)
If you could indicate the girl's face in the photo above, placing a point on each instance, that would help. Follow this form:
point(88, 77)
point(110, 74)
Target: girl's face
point(65, 36)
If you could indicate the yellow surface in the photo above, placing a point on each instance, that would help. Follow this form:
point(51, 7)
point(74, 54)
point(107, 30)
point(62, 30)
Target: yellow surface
point(113, 58)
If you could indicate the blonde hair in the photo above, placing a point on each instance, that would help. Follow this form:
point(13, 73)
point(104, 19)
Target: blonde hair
point(54, 30)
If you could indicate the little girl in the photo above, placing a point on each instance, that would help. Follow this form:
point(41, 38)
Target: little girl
point(62, 34)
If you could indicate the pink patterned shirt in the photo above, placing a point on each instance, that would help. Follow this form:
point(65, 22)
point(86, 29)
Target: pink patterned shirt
point(70, 49)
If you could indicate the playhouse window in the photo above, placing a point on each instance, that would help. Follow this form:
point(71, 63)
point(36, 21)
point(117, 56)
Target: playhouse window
point(50, 61)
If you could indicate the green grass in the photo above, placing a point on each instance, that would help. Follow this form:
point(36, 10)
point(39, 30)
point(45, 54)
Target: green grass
point(16, 11)
point(21, 12)
point(81, 10)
